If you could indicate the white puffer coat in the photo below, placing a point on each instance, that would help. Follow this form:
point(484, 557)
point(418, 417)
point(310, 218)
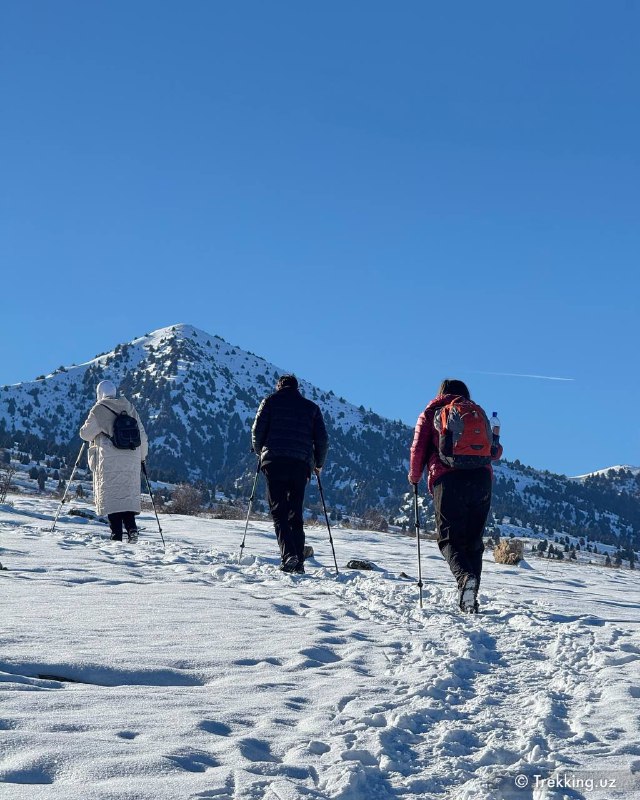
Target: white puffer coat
point(116, 473)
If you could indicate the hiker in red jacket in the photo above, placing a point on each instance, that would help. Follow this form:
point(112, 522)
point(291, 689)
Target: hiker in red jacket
point(453, 439)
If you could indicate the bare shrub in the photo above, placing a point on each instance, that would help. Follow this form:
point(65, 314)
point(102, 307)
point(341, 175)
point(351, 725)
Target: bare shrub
point(186, 499)
point(373, 519)
point(228, 511)
point(509, 551)
point(6, 476)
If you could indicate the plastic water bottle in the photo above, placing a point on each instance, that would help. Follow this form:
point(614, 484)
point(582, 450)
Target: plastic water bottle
point(495, 430)
point(495, 424)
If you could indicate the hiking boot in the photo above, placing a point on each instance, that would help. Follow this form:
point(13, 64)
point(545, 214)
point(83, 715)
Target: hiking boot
point(299, 570)
point(291, 564)
point(307, 552)
point(468, 595)
point(133, 535)
point(116, 537)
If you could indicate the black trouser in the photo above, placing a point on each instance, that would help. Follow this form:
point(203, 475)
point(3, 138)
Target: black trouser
point(128, 518)
point(462, 500)
point(286, 482)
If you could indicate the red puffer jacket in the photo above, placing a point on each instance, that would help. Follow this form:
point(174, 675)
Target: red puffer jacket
point(424, 450)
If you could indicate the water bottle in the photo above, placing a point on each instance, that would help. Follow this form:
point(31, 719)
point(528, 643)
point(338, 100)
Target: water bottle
point(495, 430)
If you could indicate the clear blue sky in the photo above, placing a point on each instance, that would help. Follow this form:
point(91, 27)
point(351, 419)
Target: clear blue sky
point(375, 195)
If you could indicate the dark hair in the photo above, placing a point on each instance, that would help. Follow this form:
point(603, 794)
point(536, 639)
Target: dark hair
point(453, 386)
point(287, 382)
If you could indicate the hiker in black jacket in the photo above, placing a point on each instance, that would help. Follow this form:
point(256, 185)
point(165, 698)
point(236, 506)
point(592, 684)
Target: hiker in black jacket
point(290, 438)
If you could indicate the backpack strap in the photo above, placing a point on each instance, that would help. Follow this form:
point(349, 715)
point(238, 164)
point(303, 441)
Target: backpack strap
point(115, 413)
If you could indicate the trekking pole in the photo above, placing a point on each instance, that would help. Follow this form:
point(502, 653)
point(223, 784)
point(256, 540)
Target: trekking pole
point(326, 516)
point(146, 477)
point(64, 496)
point(417, 524)
point(253, 494)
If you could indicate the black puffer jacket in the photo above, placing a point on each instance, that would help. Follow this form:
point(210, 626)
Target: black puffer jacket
point(288, 425)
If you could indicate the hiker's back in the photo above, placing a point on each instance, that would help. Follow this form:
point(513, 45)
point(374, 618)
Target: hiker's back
point(291, 426)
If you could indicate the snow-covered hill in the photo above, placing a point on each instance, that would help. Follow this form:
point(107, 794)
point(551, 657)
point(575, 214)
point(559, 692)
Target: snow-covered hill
point(608, 472)
point(137, 674)
point(198, 396)
point(603, 507)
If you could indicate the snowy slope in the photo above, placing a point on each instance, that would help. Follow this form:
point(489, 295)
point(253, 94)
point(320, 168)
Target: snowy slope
point(197, 677)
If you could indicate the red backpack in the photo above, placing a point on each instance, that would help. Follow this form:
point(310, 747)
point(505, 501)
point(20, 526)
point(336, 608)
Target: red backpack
point(464, 434)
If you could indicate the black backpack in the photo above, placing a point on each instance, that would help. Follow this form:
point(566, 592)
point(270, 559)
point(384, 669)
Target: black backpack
point(126, 432)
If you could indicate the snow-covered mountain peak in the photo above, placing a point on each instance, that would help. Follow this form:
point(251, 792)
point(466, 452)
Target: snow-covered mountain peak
point(198, 394)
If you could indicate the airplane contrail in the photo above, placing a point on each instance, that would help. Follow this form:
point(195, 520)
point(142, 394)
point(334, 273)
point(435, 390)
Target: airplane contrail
point(521, 375)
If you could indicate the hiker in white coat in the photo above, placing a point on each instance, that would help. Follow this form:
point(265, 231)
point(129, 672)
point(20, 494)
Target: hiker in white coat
point(116, 472)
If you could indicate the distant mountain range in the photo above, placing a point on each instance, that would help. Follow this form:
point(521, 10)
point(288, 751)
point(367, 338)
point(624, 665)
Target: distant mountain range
point(198, 395)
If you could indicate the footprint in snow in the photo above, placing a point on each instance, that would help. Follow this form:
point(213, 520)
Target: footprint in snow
point(333, 640)
point(193, 760)
point(297, 703)
point(344, 702)
point(42, 770)
point(253, 662)
point(322, 655)
point(287, 610)
point(129, 735)
point(216, 728)
point(256, 750)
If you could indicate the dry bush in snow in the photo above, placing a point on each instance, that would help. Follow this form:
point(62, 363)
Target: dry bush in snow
point(509, 551)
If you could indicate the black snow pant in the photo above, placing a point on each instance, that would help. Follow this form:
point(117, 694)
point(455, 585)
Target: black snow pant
point(286, 483)
point(120, 518)
point(462, 500)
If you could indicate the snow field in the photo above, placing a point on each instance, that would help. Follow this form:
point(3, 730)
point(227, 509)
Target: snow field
point(198, 677)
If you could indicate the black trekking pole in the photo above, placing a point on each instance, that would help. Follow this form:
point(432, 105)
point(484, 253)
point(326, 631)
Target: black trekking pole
point(417, 524)
point(146, 477)
point(64, 496)
point(253, 494)
point(326, 516)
